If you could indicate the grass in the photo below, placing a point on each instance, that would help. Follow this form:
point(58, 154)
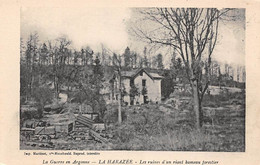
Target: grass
point(161, 127)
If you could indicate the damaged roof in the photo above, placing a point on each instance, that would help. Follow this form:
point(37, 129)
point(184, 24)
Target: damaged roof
point(134, 73)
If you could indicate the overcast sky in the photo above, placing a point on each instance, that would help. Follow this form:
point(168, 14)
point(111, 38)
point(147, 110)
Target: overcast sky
point(93, 26)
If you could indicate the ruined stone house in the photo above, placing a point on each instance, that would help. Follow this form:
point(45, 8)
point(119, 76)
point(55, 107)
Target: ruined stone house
point(147, 84)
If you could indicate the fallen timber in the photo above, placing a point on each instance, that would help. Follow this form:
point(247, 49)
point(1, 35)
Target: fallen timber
point(97, 136)
point(85, 129)
point(89, 123)
point(82, 120)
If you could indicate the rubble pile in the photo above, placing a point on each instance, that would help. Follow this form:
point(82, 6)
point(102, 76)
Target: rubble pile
point(60, 130)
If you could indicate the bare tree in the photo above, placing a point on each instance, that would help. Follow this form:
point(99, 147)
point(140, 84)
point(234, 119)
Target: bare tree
point(193, 32)
point(60, 56)
point(31, 54)
point(89, 55)
point(117, 63)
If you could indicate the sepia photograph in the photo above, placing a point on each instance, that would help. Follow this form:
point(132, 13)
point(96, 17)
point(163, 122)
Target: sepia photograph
point(132, 79)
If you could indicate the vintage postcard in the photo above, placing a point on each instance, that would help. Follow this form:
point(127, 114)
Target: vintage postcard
point(124, 83)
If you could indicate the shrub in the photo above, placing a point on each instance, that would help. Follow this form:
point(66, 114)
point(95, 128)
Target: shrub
point(111, 114)
point(185, 140)
point(160, 127)
point(224, 96)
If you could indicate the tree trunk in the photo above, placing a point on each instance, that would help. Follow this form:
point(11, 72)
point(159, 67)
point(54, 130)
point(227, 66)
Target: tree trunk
point(31, 86)
point(56, 87)
point(119, 101)
point(197, 104)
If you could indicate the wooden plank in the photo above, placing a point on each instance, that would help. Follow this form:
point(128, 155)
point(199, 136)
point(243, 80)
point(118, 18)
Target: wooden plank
point(96, 135)
point(85, 121)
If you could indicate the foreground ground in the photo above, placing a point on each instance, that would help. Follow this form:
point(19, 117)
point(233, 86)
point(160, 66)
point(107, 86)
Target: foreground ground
point(165, 127)
point(161, 127)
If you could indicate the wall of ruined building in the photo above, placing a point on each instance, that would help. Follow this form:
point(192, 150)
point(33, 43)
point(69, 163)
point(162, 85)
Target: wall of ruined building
point(126, 85)
point(153, 87)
